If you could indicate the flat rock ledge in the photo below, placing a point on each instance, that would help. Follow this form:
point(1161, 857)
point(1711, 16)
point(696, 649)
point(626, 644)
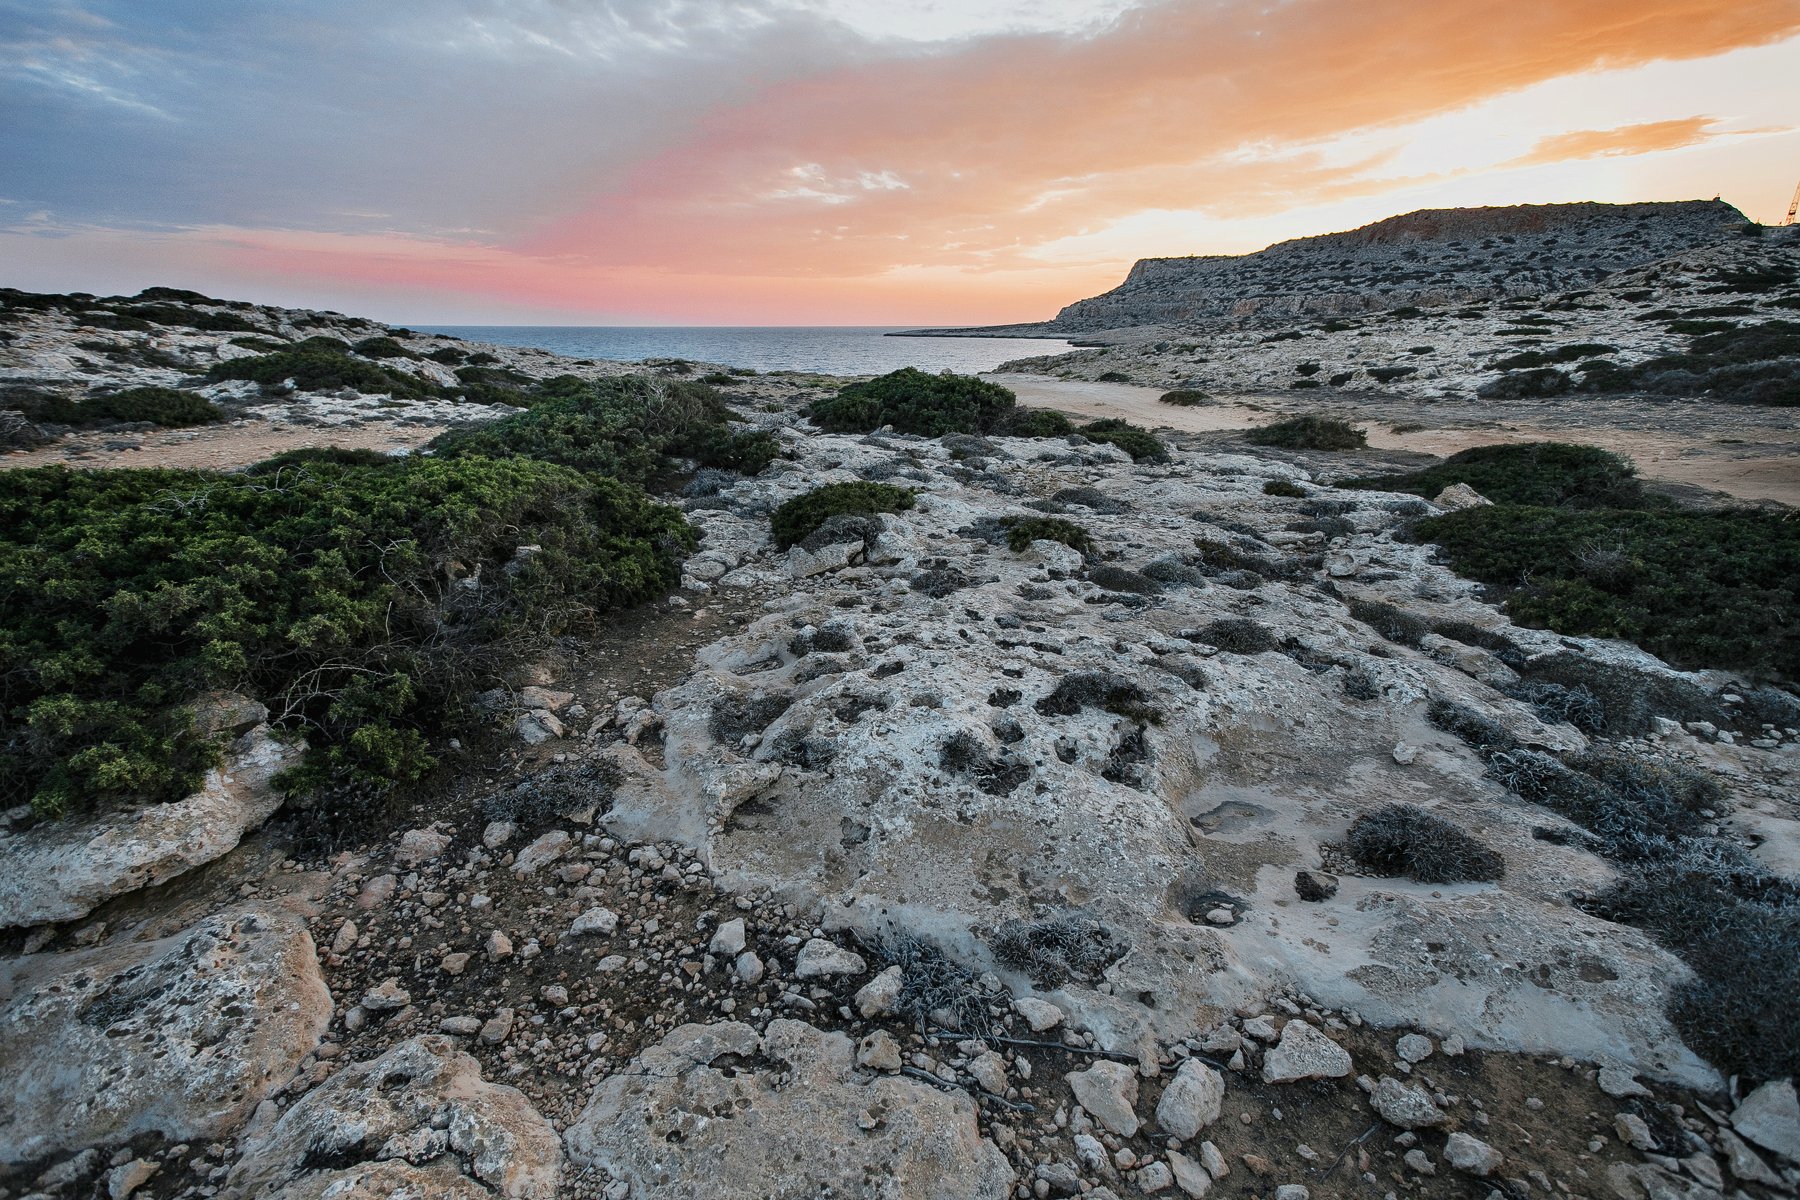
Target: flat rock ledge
point(718, 1111)
point(183, 1036)
point(64, 870)
point(418, 1121)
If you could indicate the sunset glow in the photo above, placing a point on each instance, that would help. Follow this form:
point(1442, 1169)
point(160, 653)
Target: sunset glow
point(831, 161)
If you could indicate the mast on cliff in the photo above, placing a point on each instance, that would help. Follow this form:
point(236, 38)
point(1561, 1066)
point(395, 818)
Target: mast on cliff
point(1793, 207)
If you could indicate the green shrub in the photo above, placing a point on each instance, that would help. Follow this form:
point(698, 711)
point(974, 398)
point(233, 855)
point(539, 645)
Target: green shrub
point(1533, 384)
point(382, 347)
point(800, 516)
point(1097, 689)
point(1310, 432)
point(1238, 635)
point(1400, 839)
point(1749, 364)
point(1699, 589)
point(1286, 488)
point(629, 428)
point(206, 322)
point(1035, 423)
point(1022, 531)
point(1395, 624)
point(1114, 377)
point(913, 401)
point(1141, 444)
point(322, 589)
point(1389, 374)
point(1536, 473)
point(1184, 397)
point(168, 407)
point(324, 364)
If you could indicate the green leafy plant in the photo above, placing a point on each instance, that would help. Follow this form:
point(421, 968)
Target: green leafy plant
point(158, 405)
point(1141, 444)
point(1536, 473)
point(796, 518)
point(1309, 432)
point(1022, 531)
point(913, 401)
point(1184, 397)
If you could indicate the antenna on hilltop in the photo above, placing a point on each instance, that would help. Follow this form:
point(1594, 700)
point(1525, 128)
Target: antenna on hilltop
point(1793, 207)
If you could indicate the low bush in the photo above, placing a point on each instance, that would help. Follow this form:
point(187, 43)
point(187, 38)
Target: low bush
point(1739, 364)
point(324, 590)
point(797, 518)
point(1035, 423)
point(1310, 432)
point(1141, 444)
point(382, 347)
point(1394, 624)
point(1184, 397)
point(1389, 374)
point(913, 401)
point(1535, 473)
point(1238, 635)
point(1022, 531)
point(1400, 839)
point(1113, 377)
point(1056, 949)
point(323, 364)
point(168, 407)
point(1535, 383)
point(1285, 488)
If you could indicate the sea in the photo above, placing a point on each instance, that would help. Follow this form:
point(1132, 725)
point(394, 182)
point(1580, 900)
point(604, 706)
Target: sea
point(828, 350)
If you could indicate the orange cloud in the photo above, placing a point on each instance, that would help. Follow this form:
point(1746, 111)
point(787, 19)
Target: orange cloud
point(972, 159)
point(1646, 138)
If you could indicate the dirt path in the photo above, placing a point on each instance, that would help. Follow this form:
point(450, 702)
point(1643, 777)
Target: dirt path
point(218, 447)
point(1762, 467)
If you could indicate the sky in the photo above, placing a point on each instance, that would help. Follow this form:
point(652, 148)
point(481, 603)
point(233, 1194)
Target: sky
point(843, 162)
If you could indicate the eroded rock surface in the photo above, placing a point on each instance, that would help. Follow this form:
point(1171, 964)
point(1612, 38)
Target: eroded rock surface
point(63, 870)
point(718, 1111)
point(418, 1121)
point(183, 1036)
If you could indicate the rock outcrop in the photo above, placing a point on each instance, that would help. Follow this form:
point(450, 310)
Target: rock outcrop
point(63, 870)
point(719, 1111)
point(1429, 257)
point(418, 1121)
point(183, 1036)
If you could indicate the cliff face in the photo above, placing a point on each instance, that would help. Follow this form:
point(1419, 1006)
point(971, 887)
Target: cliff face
point(1425, 258)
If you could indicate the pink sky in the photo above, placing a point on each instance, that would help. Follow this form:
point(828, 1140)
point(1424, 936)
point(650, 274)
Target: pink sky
point(985, 168)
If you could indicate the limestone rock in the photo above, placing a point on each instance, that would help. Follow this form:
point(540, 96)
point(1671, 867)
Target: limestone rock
point(1109, 1092)
point(418, 1121)
point(880, 997)
point(1459, 496)
point(1192, 1100)
point(595, 922)
point(1304, 1053)
point(1770, 1117)
point(827, 1131)
point(820, 959)
point(1192, 1178)
point(63, 870)
point(728, 939)
point(1039, 1014)
point(183, 1036)
point(1404, 1105)
point(420, 846)
point(1471, 1155)
point(1414, 1048)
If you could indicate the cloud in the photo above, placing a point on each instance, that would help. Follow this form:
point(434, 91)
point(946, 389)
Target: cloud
point(1645, 138)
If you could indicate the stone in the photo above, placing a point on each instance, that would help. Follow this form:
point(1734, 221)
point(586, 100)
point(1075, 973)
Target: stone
point(595, 922)
point(1315, 885)
point(1460, 496)
point(1213, 1159)
point(128, 1177)
point(804, 1123)
point(1191, 1101)
point(497, 833)
point(1620, 1083)
point(1634, 1132)
point(1155, 1178)
point(497, 1028)
point(497, 946)
point(1414, 1048)
point(878, 1052)
point(460, 1026)
point(1405, 1105)
point(387, 996)
point(345, 940)
point(532, 696)
point(542, 852)
point(989, 1070)
point(1192, 1178)
point(182, 1036)
point(1419, 1161)
point(454, 964)
point(880, 997)
point(749, 968)
point(1292, 1191)
point(420, 846)
point(804, 564)
point(820, 959)
point(1470, 1155)
point(1109, 1092)
point(63, 870)
point(1041, 1015)
point(1304, 1053)
point(1770, 1117)
point(538, 726)
point(227, 712)
point(728, 940)
point(1743, 1162)
point(417, 1121)
point(1404, 754)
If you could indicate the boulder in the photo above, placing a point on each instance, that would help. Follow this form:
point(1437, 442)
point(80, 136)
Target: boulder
point(64, 870)
point(824, 1130)
point(880, 997)
point(1304, 1053)
point(1404, 1105)
point(1471, 1155)
point(418, 1121)
point(182, 1036)
point(1459, 496)
point(820, 959)
point(1770, 1117)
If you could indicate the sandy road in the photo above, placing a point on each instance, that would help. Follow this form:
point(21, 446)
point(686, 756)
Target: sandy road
point(1763, 467)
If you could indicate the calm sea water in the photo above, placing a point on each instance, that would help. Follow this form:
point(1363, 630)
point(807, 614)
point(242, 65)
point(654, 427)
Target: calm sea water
point(830, 350)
